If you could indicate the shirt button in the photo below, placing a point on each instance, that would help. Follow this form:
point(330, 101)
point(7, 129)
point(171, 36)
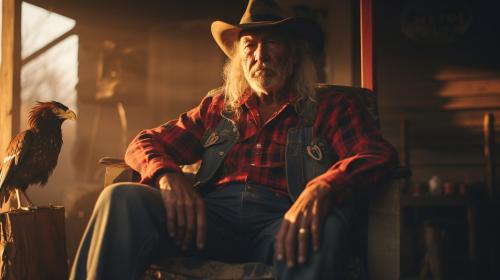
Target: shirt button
point(258, 146)
point(221, 153)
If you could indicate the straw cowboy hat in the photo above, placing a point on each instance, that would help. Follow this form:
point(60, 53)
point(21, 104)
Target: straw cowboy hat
point(266, 14)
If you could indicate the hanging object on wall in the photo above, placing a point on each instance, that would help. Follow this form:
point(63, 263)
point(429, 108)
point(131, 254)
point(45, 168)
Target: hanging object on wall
point(435, 22)
point(121, 73)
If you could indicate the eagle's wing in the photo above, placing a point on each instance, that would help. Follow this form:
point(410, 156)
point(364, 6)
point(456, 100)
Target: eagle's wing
point(16, 151)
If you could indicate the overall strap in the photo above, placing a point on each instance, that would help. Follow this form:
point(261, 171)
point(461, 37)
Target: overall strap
point(309, 155)
point(306, 155)
point(217, 143)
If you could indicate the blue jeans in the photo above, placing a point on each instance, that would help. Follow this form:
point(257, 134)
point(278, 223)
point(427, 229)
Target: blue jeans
point(127, 231)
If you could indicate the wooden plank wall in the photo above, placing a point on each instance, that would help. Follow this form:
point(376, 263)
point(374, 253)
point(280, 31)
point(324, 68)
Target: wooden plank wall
point(184, 65)
point(10, 72)
point(438, 67)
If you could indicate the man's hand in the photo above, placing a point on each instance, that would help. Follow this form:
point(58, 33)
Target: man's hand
point(185, 209)
point(302, 222)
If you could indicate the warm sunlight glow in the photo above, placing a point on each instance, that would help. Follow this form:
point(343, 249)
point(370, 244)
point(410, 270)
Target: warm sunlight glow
point(39, 27)
point(52, 75)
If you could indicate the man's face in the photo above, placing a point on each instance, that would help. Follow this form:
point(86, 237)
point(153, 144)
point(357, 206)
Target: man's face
point(266, 61)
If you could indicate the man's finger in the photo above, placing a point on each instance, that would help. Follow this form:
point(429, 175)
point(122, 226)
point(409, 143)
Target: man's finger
point(190, 218)
point(315, 232)
point(315, 228)
point(280, 240)
point(200, 223)
point(303, 239)
point(291, 243)
point(181, 221)
point(171, 215)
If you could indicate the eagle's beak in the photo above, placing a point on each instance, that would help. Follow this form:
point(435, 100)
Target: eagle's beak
point(70, 115)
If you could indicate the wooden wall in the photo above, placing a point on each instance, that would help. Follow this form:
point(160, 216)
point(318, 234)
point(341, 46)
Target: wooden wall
point(184, 65)
point(438, 67)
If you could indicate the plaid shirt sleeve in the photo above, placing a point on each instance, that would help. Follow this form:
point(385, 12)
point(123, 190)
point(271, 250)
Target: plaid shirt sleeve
point(164, 148)
point(364, 157)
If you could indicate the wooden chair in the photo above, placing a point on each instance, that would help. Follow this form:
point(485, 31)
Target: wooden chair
point(381, 250)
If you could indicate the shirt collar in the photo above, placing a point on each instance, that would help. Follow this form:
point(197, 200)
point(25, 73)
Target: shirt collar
point(249, 99)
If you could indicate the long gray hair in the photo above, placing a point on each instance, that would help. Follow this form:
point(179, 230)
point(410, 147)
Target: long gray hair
point(301, 81)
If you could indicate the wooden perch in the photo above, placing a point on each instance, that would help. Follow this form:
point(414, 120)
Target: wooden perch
point(33, 244)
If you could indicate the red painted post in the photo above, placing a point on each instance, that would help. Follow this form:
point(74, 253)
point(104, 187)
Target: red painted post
point(366, 33)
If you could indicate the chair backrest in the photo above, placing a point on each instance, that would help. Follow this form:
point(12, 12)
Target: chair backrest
point(366, 98)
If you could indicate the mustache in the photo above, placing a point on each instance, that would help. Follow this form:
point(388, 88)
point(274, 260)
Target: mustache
point(263, 67)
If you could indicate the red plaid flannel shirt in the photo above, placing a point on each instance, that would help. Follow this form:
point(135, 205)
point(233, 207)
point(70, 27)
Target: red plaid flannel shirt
point(362, 155)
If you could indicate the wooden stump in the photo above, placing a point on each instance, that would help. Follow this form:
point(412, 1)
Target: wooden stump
point(33, 244)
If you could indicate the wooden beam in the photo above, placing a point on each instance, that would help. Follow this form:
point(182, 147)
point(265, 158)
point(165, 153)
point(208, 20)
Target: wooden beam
point(366, 33)
point(48, 46)
point(10, 72)
point(489, 154)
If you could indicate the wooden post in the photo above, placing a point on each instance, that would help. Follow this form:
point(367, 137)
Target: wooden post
point(489, 154)
point(384, 212)
point(10, 72)
point(366, 32)
point(405, 142)
point(405, 149)
point(492, 194)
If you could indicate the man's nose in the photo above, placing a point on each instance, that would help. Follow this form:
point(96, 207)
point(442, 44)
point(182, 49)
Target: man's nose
point(261, 52)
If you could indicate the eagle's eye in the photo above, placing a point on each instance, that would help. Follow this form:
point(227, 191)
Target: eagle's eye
point(58, 111)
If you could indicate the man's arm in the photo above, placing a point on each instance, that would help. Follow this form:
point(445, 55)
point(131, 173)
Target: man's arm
point(164, 148)
point(364, 157)
point(157, 154)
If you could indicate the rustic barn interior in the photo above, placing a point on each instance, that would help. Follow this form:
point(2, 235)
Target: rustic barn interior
point(123, 66)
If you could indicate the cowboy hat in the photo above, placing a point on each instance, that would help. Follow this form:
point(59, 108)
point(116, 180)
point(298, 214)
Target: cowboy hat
point(266, 14)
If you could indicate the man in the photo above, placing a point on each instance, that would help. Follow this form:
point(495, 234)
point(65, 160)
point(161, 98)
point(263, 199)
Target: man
point(278, 157)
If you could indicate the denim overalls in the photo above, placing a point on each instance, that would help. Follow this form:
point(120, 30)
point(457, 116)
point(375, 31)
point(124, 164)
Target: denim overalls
point(305, 155)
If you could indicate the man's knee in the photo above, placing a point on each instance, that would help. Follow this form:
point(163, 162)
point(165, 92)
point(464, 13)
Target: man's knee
point(123, 194)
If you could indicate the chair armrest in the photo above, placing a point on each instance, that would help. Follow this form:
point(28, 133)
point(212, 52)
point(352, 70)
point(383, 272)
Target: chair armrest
point(117, 171)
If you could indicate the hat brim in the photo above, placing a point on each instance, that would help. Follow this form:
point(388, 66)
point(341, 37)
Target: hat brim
point(226, 34)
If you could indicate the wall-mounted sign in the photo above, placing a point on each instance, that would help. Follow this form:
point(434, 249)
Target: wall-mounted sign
point(435, 22)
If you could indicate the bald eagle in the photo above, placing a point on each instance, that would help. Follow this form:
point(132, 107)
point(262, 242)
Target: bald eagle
point(32, 154)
